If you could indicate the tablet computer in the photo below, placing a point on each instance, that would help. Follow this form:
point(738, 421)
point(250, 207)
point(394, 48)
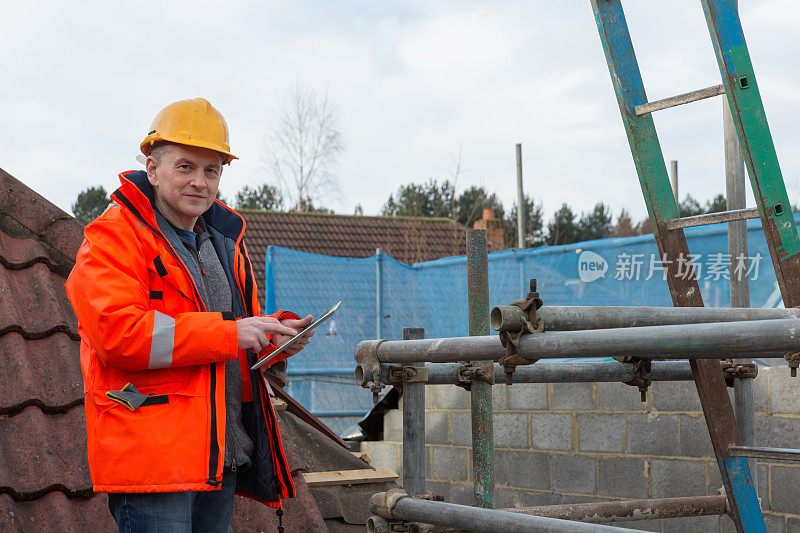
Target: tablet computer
point(322, 318)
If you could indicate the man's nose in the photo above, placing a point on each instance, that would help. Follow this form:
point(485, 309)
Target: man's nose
point(198, 180)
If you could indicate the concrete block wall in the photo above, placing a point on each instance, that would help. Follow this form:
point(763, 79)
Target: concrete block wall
point(584, 442)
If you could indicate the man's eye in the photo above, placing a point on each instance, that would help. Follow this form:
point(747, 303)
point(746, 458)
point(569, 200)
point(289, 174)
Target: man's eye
point(184, 167)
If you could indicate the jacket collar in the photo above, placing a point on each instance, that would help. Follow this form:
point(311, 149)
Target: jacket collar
point(136, 193)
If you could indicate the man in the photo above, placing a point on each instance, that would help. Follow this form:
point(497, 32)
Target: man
point(170, 324)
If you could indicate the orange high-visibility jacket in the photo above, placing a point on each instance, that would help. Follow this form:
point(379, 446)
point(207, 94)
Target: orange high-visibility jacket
point(142, 321)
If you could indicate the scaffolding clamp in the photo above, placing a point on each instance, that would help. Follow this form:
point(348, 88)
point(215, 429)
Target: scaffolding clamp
point(794, 361)
point(383, 520)
point(467, 374)
point(383, 503)
point(368, 369)
point(737, 371)
point(641, 367)
point(407, 374)
point(513, 324)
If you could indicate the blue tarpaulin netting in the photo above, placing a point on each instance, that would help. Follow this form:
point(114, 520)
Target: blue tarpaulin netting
point(380, 296)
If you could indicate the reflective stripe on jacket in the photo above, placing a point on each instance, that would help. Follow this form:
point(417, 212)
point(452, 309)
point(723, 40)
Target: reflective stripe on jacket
point(142, 321)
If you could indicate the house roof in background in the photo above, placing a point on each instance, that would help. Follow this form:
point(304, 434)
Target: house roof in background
point(408, 239)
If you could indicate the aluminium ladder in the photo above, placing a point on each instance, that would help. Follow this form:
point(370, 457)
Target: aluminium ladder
point(740, 87)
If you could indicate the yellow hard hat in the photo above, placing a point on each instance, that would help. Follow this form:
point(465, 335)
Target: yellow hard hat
point(193, 122)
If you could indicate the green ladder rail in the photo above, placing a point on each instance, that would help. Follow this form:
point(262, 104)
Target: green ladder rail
point(740, 87)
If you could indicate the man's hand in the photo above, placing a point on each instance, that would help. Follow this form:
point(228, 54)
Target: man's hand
point(252, 332)
point(299, 325)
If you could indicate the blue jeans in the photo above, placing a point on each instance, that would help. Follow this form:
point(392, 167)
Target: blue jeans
point(178, 512)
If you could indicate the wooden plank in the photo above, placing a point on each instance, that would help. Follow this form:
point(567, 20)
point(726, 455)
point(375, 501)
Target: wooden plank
point(349, 477)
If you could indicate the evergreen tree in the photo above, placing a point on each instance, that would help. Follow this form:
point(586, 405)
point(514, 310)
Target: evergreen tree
point(563, 228)
point(430, 199)
point(90, 204)
point(716, 204)
point(595, 224)
point(690, 207)
point(311, 208)
point(263, 197)
point(534, 222)
point(471, 203)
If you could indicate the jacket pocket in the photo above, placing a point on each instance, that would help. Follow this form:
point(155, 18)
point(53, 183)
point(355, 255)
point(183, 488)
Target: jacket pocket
point(160, 447)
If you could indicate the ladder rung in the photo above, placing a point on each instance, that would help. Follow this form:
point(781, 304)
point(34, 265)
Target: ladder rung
point(681, 99)
point(712, 218)
point(774, 454)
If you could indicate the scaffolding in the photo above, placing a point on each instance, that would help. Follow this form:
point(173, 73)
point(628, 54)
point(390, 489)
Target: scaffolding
point(688, 342)
point(647, 332)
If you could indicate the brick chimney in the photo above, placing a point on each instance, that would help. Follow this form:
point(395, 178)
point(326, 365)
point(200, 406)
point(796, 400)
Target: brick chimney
point(493, 227)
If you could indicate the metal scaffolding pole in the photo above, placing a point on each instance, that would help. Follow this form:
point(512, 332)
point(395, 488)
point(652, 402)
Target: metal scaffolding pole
point(576, 318)
point(743, 392)
point(556, 372)
point(673, 176)
point(378, 293)
point(414, 427)
point(480, 392)
point(767, 338)
point(521, 214)
point(607, 512)
point(399, 506)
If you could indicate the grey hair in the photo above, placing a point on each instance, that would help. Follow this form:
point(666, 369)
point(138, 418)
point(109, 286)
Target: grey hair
point(161, 149)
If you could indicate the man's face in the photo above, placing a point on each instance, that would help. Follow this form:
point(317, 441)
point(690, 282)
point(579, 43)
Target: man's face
point(185, 182)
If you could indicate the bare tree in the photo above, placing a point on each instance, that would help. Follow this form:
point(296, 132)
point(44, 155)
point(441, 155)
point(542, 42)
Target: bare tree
point(304, 145)
point(454, 175)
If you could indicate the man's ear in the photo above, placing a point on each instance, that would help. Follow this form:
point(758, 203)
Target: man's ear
point(152, 170)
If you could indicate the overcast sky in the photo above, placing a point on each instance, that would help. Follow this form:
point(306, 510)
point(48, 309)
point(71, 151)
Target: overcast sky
point(414, 82)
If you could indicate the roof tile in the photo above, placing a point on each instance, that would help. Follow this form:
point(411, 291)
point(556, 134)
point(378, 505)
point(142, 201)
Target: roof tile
point(34, 303)
point(21, 253)
point(43, 219)
point(33, 373)
point(65, 235)
point(42, 428)
point(301, 513)
point(56, 512)
point(40, 452)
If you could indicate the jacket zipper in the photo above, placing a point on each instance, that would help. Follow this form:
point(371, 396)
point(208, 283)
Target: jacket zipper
point(213, 455)
point(231, 445)
point(196, 254)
